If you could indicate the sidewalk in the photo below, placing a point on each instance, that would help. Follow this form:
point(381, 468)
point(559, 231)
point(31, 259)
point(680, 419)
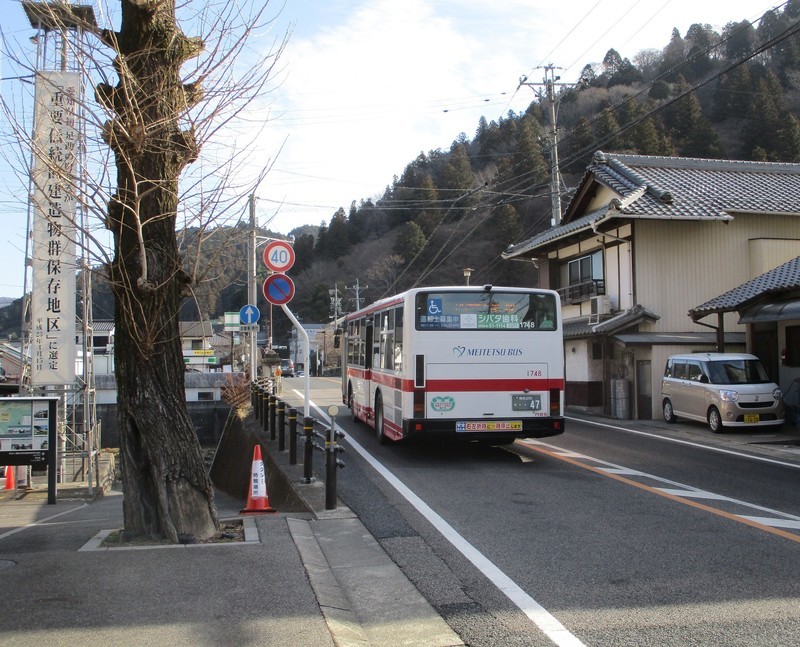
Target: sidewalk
point(300, 578)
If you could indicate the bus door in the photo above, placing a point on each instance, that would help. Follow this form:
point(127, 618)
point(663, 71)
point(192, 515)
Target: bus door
point(368, 350)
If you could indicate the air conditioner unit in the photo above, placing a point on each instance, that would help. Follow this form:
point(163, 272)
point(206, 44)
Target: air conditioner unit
point(599, 305)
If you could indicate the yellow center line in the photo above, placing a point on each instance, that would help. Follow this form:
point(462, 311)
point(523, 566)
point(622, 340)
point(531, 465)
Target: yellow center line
point(667, 495)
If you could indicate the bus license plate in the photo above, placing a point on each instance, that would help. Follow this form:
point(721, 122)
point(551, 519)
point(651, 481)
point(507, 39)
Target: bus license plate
point(489, 425)
point(526, 402)
point(751, 418)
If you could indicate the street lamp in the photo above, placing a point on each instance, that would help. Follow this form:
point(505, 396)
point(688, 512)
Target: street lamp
point(467, 273)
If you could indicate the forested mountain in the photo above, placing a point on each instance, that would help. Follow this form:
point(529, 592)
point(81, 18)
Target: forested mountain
point(731, 95)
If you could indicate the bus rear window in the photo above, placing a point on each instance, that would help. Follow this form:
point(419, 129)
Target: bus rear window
point(485, 311)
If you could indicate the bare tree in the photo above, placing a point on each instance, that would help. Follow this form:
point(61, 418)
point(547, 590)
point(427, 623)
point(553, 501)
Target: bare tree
point(155, 119)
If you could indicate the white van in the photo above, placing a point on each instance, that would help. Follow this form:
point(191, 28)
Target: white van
point(722, 389)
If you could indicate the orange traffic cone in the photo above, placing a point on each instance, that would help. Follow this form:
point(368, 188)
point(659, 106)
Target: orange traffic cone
point(257, 499)
point(10, 485)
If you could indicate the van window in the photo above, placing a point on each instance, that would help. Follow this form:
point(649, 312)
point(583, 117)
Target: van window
point(738, 371)
point(693, 371)
point(679, 369)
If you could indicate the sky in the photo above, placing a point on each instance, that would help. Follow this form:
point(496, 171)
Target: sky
point(364, 86)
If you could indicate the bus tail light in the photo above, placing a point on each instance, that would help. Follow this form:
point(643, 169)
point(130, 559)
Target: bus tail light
point(419, 403)
point(555, 403)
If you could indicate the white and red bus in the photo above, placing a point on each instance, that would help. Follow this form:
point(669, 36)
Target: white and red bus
point(482, 362)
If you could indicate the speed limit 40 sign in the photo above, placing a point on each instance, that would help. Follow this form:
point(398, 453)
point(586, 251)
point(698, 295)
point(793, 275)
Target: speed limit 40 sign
point(278, 256)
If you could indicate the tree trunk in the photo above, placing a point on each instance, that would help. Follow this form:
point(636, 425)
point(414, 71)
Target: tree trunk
point(167, 491)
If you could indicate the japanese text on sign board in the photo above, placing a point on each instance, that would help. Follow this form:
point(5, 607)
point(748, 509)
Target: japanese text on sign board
point(56, 143)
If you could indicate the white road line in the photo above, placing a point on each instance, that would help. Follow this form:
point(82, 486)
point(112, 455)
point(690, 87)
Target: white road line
point(719, 450)
point(693, 494)
point(542, 618)
point(618, 470)
point(774, 523)
point(678, 489)
point(41, 521)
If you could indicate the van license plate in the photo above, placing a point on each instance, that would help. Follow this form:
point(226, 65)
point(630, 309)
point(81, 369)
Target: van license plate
point(751, 418)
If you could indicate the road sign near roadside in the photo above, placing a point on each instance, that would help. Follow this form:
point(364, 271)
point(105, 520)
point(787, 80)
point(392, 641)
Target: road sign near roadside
point(278, 289)
point(278, 256)
point(249, 314)
point(232, 321)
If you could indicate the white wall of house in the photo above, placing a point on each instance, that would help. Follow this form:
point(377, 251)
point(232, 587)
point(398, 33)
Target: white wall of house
point(682, 264)
point(576, 361)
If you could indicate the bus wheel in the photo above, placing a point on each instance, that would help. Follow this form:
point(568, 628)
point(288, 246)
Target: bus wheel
point(351, 403)
point(379, 420)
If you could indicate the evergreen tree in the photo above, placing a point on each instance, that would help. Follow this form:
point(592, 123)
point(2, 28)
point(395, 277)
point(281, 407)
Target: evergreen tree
point(789, 138)
point(506, 225)
point(409, 242)
point(606, 129)
point(529, 160)
point(626, 74)
point(732, 96)
point(740, 39)
point(659, 91)
point(457, 178)
point(611, 63)
point(303, 253)
point(674, 57)
point(337, 242)
point(763, 128)
point(644, 136)
point(689, 129)
point(588, 76)
point(354, 231)
point(578, 147)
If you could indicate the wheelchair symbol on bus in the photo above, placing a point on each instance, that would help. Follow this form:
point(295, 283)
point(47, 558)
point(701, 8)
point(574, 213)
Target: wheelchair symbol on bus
point(434, 306)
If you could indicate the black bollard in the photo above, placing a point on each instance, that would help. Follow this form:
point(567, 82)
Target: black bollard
point(308, 451)
point(272, 411)
point(281, 425)
point(292, 436)
point(330, 467)
point(264, 410)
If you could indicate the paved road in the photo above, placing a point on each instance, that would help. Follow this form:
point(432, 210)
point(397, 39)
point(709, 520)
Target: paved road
point(618, 535)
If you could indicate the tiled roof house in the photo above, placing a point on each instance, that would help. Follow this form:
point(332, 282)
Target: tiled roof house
point(642, 242)
point(769, 305)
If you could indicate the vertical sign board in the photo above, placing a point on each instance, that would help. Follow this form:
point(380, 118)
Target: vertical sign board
point(54, 172)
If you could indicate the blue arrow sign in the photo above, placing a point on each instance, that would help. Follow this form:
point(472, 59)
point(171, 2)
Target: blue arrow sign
point(249, 314)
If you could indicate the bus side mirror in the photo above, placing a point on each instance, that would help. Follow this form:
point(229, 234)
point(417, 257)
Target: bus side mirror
point(336, 338)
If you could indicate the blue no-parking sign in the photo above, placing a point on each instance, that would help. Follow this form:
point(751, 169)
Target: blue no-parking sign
point(278, 289)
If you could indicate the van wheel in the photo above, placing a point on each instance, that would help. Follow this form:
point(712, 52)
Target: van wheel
point(379, 420)
point(669, 414)
point(714, 420)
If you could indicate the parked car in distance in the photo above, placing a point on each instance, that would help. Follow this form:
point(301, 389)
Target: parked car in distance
point(721, 389)
point(287, 368)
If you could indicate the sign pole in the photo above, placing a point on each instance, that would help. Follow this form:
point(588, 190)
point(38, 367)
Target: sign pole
point(306, 353)
point(251, 283)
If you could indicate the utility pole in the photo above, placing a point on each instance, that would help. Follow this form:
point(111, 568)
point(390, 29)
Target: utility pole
point(356, 289)
point(547, 92)
point(336, 302)
point(252, 295)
